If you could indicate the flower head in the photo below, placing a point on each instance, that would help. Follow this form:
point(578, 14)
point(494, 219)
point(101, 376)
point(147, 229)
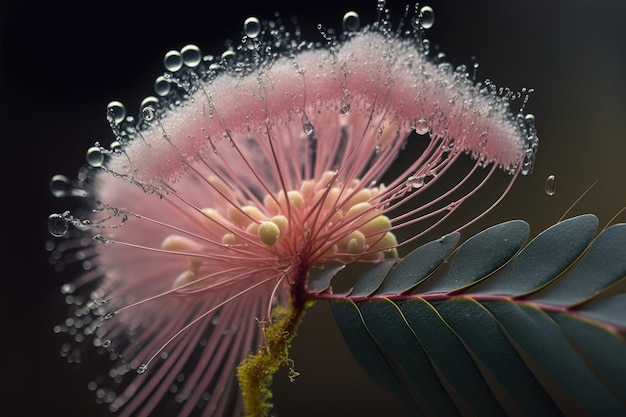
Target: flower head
point(250, 171)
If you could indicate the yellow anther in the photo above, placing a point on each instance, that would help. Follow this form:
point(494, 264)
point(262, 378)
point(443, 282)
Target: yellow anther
point(385, 247)
point(245, 215)
point(179, 243)
point(331, 250)
point(295, 199)
point(360, 197)
point(253, 228)
point(221, 187)
point(330, 197)
point(184, 278)
point(327, 180)
point(269, 233)
point(353, 243)
point(375, 227)
point(307, 189)
point(358, 209)
point(214, 221)
point(194, 264)
point(229, 239)
point(282, 222)
point(271, 205)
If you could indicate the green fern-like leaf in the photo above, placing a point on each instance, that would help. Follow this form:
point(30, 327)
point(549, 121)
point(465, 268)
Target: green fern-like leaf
point(499, 328)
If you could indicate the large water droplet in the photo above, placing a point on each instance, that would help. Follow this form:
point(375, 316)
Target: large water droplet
point(191, 56)
point(95, 156)
point(551, 185)
point(351, 22)
point(422, 127)
point(252, 27)
point(142, 368)
point(60, 186)
point(426, 17)
point(162, 86)
point(173, 61)
point(57, 225)
point(116, 112)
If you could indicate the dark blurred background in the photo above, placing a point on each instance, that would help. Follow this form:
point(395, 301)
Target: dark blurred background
point(62, 62)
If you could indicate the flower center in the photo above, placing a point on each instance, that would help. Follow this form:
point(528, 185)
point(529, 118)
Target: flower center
point(322, 221)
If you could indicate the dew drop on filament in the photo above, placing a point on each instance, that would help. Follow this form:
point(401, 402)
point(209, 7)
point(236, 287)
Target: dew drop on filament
point(95, 156)
point(551, 185)
point(173, 61)
point(426, 17)
point(351, 22)
point(252, 27)
point(57, 225)
point(60, 186)
point(162, 86)
point(308, 128)
point(191, 56)
point(116, 112)
point(422, 127)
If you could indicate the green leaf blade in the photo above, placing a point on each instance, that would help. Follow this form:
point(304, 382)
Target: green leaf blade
point(441, 344)
point(368, 354)
point(481, 255)
point(602, 348)
point(541, 339)
point(483, 337)
point(539, 263)
point(603, 265)
point(400, 343)
point(416, 266)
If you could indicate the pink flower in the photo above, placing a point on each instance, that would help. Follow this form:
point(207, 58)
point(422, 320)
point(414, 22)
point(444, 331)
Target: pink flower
point(216, 208)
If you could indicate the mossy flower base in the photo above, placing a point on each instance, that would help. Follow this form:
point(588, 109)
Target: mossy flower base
point(256, 372)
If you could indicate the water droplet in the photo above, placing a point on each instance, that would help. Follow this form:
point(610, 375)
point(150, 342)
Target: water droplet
point(173, 61)
point(116, 112)
point(115, 146)
point(57, 225)
point(60, 186)
point(142, 368)
point(147, 113)
point(344, 109)
point(106, 343)
point(162, 86)
point(68, 288)
point(380, 5)
point(308, 127)
point(228, 57)
point(351, 22)
point(252, 27)
point(414, 182)
point(551, 185)
point(95, 156)
point(426, 17)
point(191, 56)
point(148, 108)
point(422, 127)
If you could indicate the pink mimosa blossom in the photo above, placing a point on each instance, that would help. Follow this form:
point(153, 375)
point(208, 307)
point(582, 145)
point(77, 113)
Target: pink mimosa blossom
point(216, 207)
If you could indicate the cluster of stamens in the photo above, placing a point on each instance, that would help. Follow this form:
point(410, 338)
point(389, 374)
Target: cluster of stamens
point(321, 222)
